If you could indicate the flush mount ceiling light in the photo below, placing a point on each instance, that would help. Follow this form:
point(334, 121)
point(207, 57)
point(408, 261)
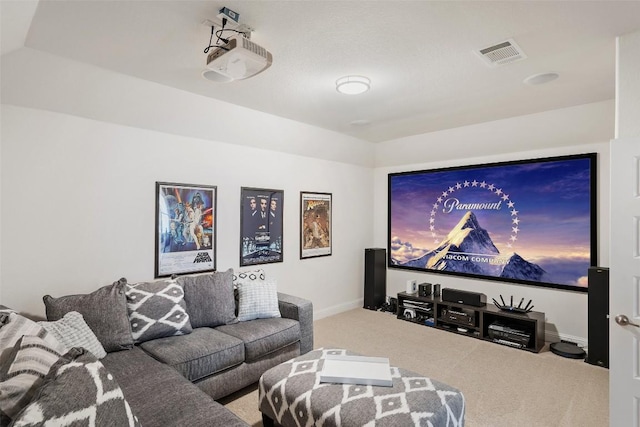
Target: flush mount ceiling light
point(538, 79)
point(353, 85)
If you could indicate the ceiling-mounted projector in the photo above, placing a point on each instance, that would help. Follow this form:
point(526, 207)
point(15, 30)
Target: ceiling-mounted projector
point(239, 59)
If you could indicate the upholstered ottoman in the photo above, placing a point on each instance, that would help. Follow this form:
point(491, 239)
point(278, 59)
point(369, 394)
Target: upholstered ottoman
point(291, 395)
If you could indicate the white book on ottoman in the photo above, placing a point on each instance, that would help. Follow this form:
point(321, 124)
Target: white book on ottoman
point(356, 370)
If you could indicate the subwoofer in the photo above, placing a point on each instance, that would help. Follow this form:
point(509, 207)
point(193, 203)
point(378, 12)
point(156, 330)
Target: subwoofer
point(375, 277)
point(464, 297)
point(598, 316)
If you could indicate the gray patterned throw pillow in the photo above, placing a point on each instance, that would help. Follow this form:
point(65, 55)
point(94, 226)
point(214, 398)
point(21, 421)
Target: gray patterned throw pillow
point(78, 391)
point(13, 326)
point(157, 310)
point(23, 370)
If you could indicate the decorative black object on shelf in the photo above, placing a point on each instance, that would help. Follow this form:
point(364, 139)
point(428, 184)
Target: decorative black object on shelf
point(519, 309)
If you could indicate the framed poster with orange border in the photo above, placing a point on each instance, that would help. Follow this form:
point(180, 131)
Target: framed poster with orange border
point(315, 224)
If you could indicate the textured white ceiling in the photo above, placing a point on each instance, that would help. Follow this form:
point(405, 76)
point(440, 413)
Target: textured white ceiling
point(418, 54)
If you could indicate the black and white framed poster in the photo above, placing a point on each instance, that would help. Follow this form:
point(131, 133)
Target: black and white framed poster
point(185, 228)
point(315, 224)
point(260, 226)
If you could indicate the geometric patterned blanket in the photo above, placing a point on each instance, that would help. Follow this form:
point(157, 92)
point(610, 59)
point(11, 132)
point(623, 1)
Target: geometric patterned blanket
point(292, 395)
point(78, 391)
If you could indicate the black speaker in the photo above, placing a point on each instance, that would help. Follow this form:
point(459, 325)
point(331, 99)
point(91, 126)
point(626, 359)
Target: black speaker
point(375, 277)
point(436, 290)
point(598, 317)
point(424, 289)
point(464, 297)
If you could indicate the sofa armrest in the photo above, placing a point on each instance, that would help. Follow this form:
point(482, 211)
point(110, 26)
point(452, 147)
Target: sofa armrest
point(301, 310)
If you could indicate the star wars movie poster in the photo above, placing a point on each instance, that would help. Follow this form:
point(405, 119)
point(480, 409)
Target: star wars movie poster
point(261, 226)
point(185, 228)
point(315, 227)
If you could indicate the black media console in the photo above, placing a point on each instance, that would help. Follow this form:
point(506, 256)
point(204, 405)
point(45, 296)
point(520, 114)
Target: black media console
point(489, 323)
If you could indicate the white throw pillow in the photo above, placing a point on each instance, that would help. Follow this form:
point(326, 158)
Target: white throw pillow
point(73, 331)
point(248, 276)
point(257, 300)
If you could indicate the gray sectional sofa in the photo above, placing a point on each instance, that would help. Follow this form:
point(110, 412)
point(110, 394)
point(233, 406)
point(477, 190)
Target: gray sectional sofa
point(171, 362)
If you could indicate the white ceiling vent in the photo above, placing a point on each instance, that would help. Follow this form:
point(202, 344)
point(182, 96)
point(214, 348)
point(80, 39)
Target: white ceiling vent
point(502, 53)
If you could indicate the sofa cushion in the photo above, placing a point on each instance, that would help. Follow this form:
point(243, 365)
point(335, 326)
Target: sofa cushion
point(104, 310)
point(257, 300)
point(156, 310)
point(160, 396)
point(78, 391)
point(263, 336)
point(72, 331)
point(209, 298)
point(202, 353)
point(24, 370)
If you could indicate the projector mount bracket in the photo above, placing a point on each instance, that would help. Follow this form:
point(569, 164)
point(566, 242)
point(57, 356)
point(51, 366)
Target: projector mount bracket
point(231, 25)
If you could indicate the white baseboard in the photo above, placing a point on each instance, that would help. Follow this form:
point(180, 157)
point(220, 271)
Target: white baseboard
point(553, 336)
point(330, 311)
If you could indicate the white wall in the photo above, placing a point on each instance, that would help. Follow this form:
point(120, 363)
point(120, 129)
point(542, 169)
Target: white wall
point(82, 148)
point(79, 197)
point(583, 124)
point(627, 86)
point(85, 145)
point(85, 90)
point(566, 312)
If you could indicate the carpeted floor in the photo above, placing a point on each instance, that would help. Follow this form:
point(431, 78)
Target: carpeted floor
point(502, 386)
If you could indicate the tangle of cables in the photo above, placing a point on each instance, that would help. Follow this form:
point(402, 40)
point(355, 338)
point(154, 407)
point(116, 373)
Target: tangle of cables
point(219, 37)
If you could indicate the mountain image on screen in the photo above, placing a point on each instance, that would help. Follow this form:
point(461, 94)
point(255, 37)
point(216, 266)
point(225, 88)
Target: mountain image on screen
point(467, 248)
point(518, 268)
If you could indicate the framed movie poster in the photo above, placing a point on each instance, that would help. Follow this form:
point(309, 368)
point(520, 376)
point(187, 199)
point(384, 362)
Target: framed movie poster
point(260, 226)
point(315, 224)
point(185, 228)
